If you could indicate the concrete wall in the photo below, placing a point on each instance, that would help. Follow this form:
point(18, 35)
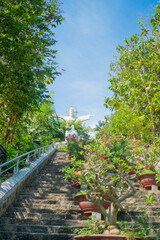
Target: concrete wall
point(11, 187)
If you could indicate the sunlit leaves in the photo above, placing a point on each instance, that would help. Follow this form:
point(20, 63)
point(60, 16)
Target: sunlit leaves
point(26, 57)
point(135, 76)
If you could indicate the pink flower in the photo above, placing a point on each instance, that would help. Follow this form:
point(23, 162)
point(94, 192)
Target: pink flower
point(100, 140)
point(157, 148)
point(72, 175)
point(70, 185)
point(149, 149)
point(78, 172)
point(85, 148)
point(133, 161)
point(132, 150)
point(85, 164)
point(134, 140)
point(101, 155)
point(134, 145)
point(149, 166)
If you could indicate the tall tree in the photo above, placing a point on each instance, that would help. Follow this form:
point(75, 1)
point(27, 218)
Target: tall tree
point(45, 124)
point(136, 75)
point(27, 57)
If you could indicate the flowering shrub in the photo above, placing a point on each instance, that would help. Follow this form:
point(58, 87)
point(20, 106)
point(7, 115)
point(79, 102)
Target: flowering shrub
point(146, 157)
point(105, 171)
point(76, 146)
point(108, 170)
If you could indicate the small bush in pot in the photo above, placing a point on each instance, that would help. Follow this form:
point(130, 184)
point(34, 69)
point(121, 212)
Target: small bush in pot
point(105, 173)
point(146, 158)
point(108, 171)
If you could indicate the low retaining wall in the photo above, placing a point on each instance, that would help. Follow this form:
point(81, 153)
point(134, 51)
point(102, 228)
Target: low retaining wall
point(11, 187)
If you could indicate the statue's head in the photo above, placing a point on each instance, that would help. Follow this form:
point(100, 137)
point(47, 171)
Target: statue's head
point(72, 112)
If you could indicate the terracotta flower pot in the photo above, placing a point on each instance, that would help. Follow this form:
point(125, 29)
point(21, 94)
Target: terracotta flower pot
point(102, 236)
point(148, 179)
point(87, 206)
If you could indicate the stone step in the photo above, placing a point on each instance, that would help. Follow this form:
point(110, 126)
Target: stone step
point(34, 236)
point(64, 204)
point(31, 195)
point(38, 221)
point(47, 186)
point(71, 214)
point(63, 221)
point(49, 216)
point(49, 196)
point(60, 205)
point(48, 190)
point(142, 206)
point(41, 211)
point(133, 215)
point(38, 228)
point(53, 200)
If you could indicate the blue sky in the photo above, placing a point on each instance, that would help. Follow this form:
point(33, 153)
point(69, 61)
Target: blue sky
point(86, 43)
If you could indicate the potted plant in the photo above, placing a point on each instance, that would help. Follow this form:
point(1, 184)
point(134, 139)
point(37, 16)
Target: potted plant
point(87, 206)
point(105, 173)
point(147, 160)
point(108, 171)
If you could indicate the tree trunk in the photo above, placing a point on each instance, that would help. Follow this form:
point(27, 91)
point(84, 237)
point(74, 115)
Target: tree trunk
point(8, 130)
point(113, 214)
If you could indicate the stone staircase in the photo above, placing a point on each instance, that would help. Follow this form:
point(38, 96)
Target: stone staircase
point(46, 208)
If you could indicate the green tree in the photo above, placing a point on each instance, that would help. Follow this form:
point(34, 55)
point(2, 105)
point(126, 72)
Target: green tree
point(101, 124)
point(127, 122)
point(44, 124)
point(27, 61)
point(136, 76)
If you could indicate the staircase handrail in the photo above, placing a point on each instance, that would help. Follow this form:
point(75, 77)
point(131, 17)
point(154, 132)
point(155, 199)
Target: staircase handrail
point(28, 157)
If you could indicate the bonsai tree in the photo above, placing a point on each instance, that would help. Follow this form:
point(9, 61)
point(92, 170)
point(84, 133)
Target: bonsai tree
point(107, 173)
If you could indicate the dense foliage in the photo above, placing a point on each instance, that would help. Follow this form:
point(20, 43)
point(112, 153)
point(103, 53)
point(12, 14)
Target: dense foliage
point(108, 170)
point(75, 147)
point(135, 82)
point(27, 58)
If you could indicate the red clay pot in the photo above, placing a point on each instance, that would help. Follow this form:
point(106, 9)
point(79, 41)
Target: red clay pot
point(102, 236)
point(148, 179)
point(87, 206)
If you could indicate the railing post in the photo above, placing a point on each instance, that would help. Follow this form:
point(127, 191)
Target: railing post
point(34, 156)
point(39, 152)
point(27, 159)
point(16, 168)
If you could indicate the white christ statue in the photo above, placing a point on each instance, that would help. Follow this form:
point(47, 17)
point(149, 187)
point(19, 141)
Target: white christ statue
point(72, 116)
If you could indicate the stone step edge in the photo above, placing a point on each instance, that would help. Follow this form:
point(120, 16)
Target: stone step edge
point(39, 220)
point(27, 225)
point(45, 234)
